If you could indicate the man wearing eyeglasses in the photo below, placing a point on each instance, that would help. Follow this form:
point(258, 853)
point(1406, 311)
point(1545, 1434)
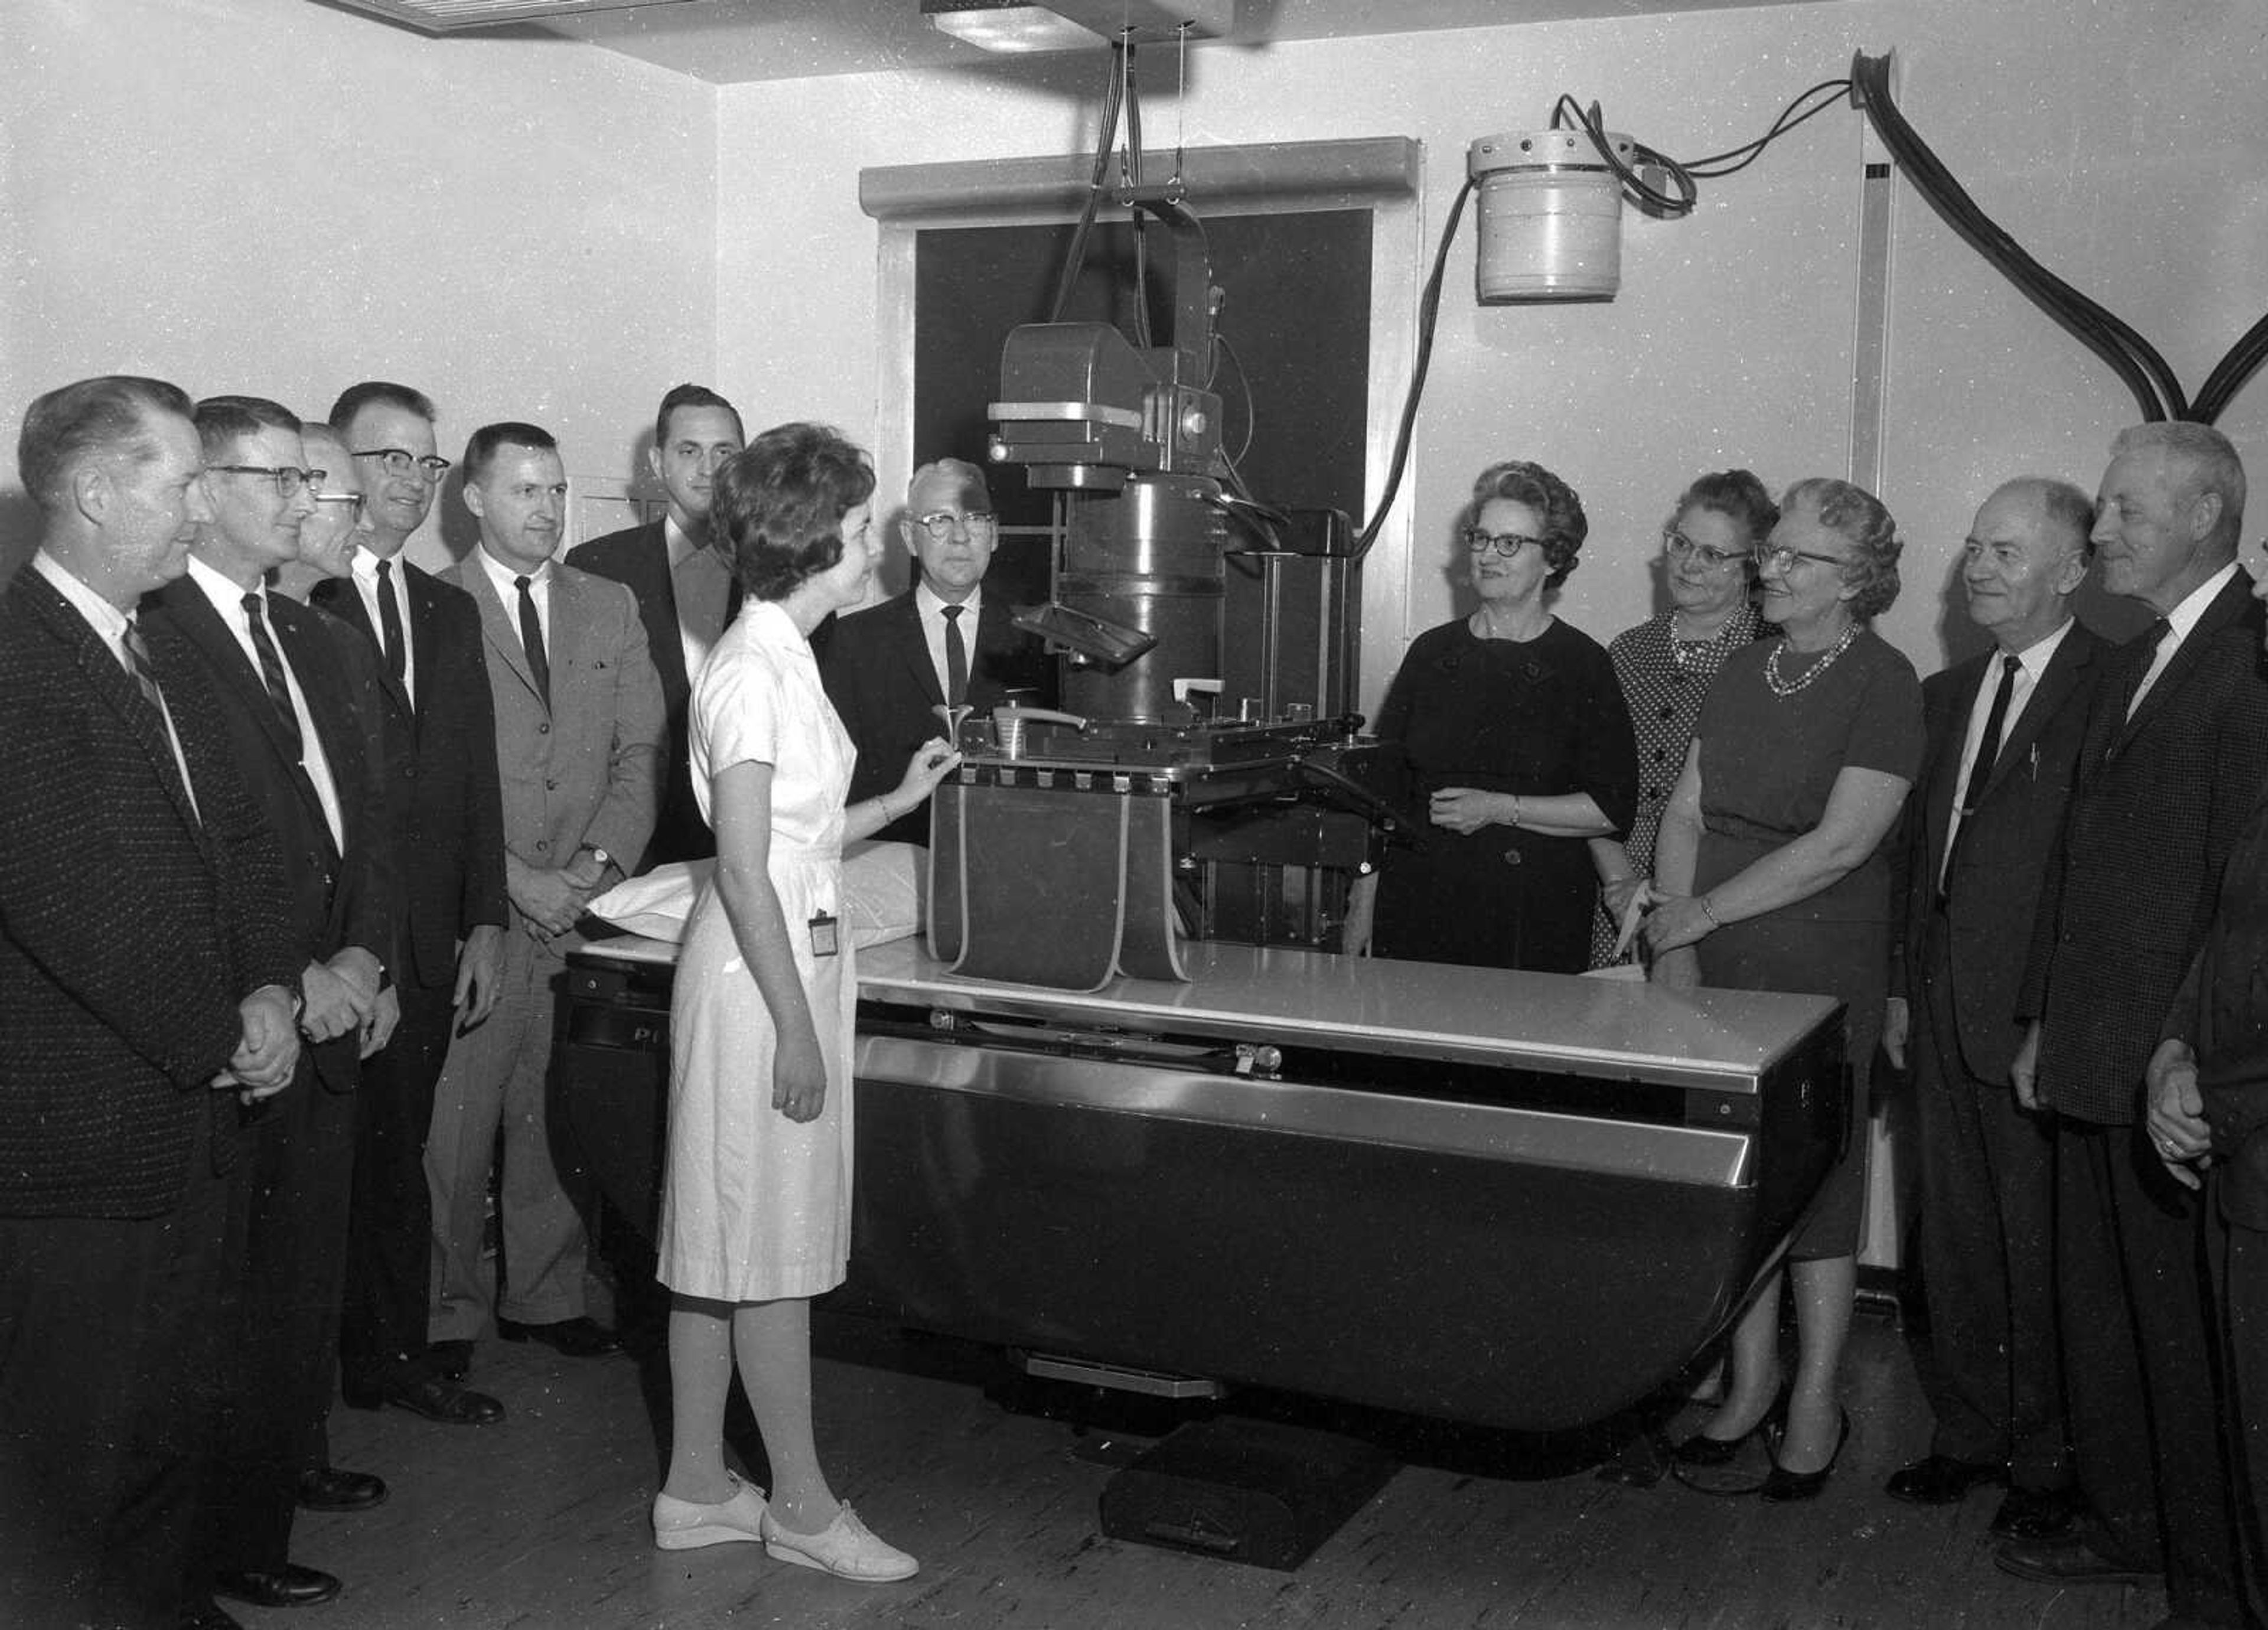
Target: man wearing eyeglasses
point(447, 816)
point(887, 668)
point(687, 593)
point(328, 537)
point(2003, 732)
point(302, 715)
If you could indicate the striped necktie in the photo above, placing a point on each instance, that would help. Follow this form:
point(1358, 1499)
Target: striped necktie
point(139, 664)
point(271, 671)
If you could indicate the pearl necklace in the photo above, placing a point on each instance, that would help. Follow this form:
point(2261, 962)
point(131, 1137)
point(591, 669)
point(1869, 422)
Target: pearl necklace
point(1789, 687)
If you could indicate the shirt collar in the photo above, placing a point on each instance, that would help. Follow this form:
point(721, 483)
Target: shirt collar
point(927, 602)
point(106, 619)
point(2034, 659)
point(226, 597)
point(2184, 616)
point(506, 578)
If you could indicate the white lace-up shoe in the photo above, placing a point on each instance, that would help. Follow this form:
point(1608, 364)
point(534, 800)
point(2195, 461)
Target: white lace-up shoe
point(845, 1547)
point(684, 1524)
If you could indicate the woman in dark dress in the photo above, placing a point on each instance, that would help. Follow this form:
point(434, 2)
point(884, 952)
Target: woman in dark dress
point(1666, 664)
point(1516, 734)
point(1773, 856)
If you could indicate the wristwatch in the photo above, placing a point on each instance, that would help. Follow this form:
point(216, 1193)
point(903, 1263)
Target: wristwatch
point(598, 854)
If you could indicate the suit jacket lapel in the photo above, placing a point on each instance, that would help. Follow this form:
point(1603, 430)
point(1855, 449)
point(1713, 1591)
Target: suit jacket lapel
point(200, 624)
point(913, 647)
point(344, 602)
point(2067, 669)
point(1945, 775)
point(107, 678)
point(2227, 606)
point(564, 635)
point(500, 629)
point(337, 724)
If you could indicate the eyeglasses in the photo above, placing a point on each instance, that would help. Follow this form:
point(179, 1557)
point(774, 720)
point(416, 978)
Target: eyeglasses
point(401, 462)
point(939, 524)
point(1506, 544)
point(289, 481)
point(354, 501)
point(1679, 547)
point(1783, 558)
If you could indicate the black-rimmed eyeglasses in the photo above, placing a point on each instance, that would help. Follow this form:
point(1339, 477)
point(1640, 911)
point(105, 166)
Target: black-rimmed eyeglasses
point(401, 462)
point(1677, 546)
point(290, 482)
point(1505, 545)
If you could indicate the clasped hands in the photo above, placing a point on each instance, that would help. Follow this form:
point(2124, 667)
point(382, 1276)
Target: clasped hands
point(551, 899)
point(1673, 921)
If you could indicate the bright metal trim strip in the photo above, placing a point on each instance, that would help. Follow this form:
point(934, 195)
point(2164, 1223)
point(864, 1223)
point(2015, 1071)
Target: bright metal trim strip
point(1081, 412)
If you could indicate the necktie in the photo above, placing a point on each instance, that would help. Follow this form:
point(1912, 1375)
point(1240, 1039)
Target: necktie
point(531, 640)
point(2152, 637)
point(956, 658)
point(1989, 749)
point(271, 671)
point(389, 622)
point(138, 663)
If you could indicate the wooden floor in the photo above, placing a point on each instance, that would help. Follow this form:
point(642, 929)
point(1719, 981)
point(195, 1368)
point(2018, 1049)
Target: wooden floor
point(541, 1523)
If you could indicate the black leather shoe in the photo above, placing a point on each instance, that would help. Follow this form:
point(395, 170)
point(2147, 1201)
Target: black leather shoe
point(288, 1586)
point(429, 1396)
point(209, 1615)
point(331, 1489)
point(2067, 1561)
point(451, 1360)
point(2037, 1513)
point(1782, 1486)
point(1941, 1480)
point(1701, 1449)
point(577, 1337)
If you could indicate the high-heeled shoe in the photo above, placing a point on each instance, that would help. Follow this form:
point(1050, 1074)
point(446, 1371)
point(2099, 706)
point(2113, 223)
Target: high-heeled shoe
point(1700, 1450)
point(1782, 1485)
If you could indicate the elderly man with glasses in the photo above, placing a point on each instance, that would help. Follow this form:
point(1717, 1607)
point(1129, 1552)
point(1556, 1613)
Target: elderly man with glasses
point(447, 812)
point(941, 642)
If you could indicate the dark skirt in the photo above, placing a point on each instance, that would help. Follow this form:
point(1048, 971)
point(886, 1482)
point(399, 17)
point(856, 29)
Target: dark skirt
point(1848, 961)
point(1499, 897)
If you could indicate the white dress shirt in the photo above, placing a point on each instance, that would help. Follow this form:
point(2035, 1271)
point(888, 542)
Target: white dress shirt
point(2179, 623)
point(505, 580)
point(2032, 662)
point(228, 601)
point(701, 582)
point(365, 582)
point(933, 622)
point(109, 624)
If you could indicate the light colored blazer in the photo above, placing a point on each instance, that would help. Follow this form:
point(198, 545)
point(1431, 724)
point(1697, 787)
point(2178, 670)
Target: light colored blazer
point(587, 770)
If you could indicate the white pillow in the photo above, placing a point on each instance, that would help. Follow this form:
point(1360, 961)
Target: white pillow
point(881, 895)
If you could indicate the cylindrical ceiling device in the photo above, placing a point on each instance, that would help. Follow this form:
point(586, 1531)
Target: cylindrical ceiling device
point(1551, 216)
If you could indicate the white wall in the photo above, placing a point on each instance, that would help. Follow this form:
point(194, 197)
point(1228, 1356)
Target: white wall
point(275, 198)
point(2121, 150)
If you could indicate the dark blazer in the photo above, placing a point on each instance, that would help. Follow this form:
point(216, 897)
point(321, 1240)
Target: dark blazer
point(2221, 1010)
point(447, 814)
point(132, 924)
point(339, 897)
point(1994, 890)
point(2159, 803)
point(637, 558)
point(878, 673)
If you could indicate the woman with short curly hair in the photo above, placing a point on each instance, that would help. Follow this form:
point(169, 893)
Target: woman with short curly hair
point(1516, 734)
point(756, 1217)
point(1774, 858)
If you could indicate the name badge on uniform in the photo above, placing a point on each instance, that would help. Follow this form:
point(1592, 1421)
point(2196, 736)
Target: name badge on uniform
point(825, 940)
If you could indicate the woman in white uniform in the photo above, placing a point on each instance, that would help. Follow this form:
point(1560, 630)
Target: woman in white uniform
point(755, 1216)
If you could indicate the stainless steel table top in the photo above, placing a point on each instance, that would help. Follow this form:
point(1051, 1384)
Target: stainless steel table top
point(1616, 1028)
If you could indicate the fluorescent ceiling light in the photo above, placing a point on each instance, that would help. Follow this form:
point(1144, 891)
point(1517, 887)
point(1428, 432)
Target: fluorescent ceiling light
point(993, 27)
point(441, 17)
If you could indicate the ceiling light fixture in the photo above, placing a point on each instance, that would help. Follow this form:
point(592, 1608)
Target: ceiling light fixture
point(1076, 25)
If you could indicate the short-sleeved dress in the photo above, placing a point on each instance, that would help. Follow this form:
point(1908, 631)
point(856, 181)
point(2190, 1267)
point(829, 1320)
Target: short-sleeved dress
point(1538, 717)
point(1664, 679)
point(1768, 764)
point(755, 1206)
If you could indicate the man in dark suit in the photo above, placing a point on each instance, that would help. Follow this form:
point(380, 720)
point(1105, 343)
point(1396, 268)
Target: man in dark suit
point(2208, 1122)
point(2173, 760)
point(300, 695)
point(888, 668)
point(578, 745)
point(145, 979)
point(2004, 735)
point(447, 819)
point(687, 593)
